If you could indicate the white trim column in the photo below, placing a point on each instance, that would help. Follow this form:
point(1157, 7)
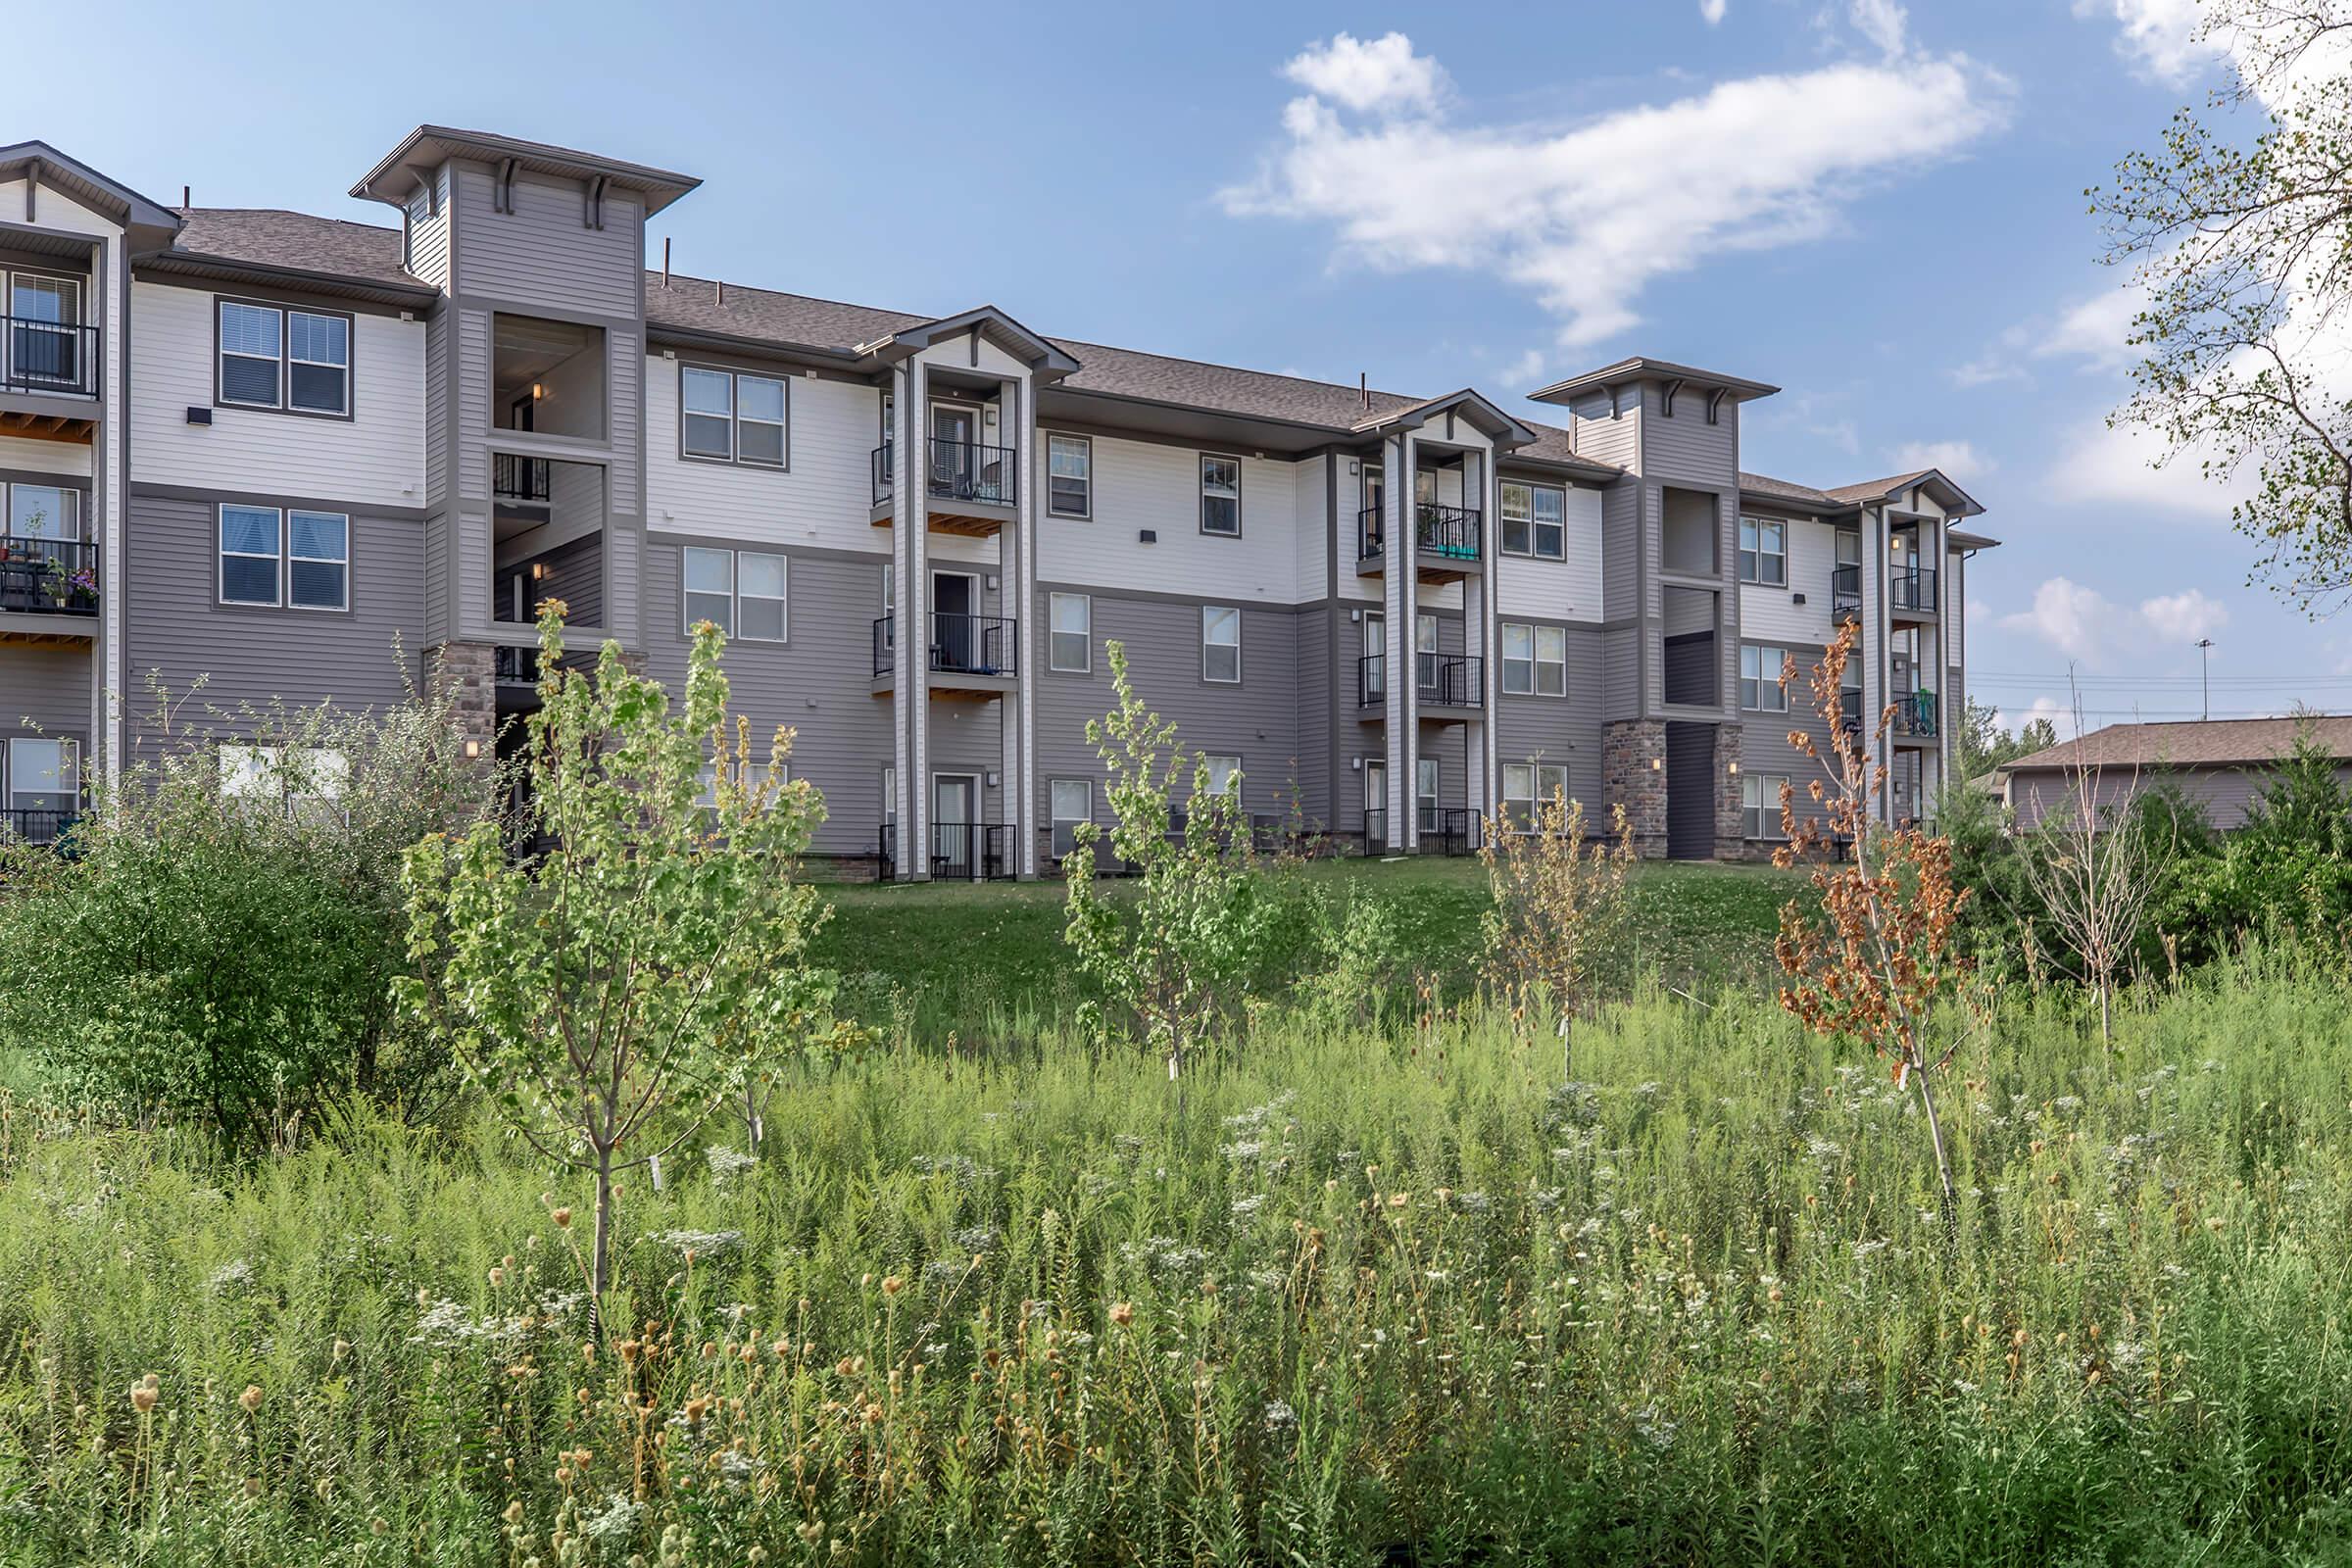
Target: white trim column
point(1398, 602)
point(907, 598)
point(1480, 596)
point(1016, 599)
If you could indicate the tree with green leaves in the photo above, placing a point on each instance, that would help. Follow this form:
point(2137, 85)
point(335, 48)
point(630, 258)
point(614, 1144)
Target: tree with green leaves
point(1979, 744)
point(1172, 962)
point(2243, 248)
point(651, 967)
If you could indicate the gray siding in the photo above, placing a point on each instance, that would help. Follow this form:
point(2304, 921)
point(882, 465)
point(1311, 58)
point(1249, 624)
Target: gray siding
point(2225, 792)
point(542, 251)
point(436, 407)
point(818, 681)
point(48, 687)
point(1568, 732)
point(179, 630)
point(1685, 449)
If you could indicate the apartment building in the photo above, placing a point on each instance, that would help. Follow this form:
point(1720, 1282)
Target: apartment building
point(315, 459)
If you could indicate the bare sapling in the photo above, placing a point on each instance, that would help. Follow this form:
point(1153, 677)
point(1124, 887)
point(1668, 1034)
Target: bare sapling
point(1557, 918)
point(1870, 961)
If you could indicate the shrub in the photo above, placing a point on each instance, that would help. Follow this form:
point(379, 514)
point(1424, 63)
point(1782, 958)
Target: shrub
point(216, 945)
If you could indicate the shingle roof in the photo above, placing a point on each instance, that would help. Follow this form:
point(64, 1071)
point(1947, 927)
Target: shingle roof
point(693, 303)
point(1873, 489)
point(270, 236)
point(1786, 490)
point(1259, 394)
point(2191, 743)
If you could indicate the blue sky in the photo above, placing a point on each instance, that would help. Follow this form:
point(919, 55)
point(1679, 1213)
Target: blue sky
point(1880, 210)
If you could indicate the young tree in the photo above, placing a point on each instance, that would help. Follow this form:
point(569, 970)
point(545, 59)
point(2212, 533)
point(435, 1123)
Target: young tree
point(2091, 866)
point(1174, 960)
point(2244, 252)
point(613, 995)
point(1871, 961)
point(1557, 922)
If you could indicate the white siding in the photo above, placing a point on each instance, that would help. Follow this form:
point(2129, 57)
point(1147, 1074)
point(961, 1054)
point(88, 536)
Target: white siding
point(375, 459)
point(54, 211)
point(823, 499)
point(1773, 615)
point(1568, 589)
point(44, 457)
point(1313, 534)
point(1141, 485)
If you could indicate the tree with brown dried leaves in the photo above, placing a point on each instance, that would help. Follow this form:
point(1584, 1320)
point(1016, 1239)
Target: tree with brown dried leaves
point(1870, 963)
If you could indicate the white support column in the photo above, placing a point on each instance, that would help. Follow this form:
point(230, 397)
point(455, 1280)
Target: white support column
point(1479, 599)
point(1878, 624)
point(1398, 602)
point(909, 614)
point(1017, 601)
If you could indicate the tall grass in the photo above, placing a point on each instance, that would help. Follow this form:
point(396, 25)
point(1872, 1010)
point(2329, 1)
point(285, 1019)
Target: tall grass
point(1373, 1302)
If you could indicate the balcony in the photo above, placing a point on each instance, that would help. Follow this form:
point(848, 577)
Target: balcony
point(1451, 829)
point(1446, 540)
point(965, 649)
point(38, 824)
point(969, 488)
point(1850, 710)
point(1915, 717)
point(960, 852)
point(53, 358)
point(518, 478)
point(45, 576)
point(1912, 590)
point(1451, 680)
point(1845, 591)
point(1372, 680)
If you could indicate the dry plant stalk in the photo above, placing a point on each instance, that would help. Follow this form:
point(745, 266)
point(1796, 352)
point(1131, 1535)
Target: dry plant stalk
point(2094, 869)
point(1557, 914)
point(1874, 958)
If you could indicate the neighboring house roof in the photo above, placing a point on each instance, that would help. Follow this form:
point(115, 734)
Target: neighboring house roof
point(429, 146)
point(2190, 742)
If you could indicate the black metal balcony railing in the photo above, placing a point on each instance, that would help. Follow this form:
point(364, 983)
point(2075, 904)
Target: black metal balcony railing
point(955, 471)
point(960, 645)
point(1915, 715)
point(38, 824)
point(1371, 680)
point(1451, 830)
point(518, 478)
point(1455, 680)
point(960, 852)
point(48, 357)
point(1446, 533)
point(1849, 709)
point(880, 461)
point(1376, 829)
point(48, 577)
point(1913, 588)
point(1846, 590)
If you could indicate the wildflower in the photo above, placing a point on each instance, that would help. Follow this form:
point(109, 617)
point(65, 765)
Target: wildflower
point(892, 1285)
point(563, 1218)
point(1280, 1416)
point(1122, 1313)
point(251, 1399)
point(145, 1392)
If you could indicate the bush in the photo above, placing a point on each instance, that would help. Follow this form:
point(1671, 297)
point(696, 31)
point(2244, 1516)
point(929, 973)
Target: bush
point(219, 944)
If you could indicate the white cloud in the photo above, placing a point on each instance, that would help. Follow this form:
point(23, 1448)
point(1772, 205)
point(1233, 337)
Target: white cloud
point(2183, 618)
point(1525, 368)
point(1588, 217)
point(1383, 74)
point(1712, 11)
point(2096, 331)
point(2159, 36)
point(1881, 22)
point(2126, 465)
point(2057, 712)
point(2083, 623)
point(1957, 458)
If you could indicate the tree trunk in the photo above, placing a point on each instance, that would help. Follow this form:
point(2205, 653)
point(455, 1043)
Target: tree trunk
point(2106, 1012)
point(1567, 1061)
point(1944, 1161)
point(599, 1254)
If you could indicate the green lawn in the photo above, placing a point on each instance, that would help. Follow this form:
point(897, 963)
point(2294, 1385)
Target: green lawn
point(983, 954)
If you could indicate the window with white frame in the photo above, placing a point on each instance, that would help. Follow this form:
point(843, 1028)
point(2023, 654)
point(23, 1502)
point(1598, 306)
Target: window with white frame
point(279, 357)
point(1764, 552)
point(44, 775)
point(1425, 791)
point(711, 588)
point(249, 554)
point(1221, 643)
point(1224, 773)
point(1071, 476)
point(1534, 660)
point(1220, 495)
point(890, 792)
point(741, 592)
point(1760, 805)
point(1760, 688)
point(759, 421)
point(890, 614)
point(43, 511)
point(1070, 640)
point(1073, 803)
point(318, 559)
point(1535, 520)
point(1528, 786)
point(296, 777)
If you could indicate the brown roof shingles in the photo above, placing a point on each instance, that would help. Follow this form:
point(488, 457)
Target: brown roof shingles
point(2190, 742)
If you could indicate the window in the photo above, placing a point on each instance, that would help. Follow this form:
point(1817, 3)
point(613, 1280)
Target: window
point(1528, 786)
point(1764, 552)
point(1073, 803)
point(890, 792)
point(890, 595)
point(1221, 496)
point(711, 589)
point(1221, 643)
point(43, 775)
point(1760, 805)
point(249, 545)
point(249, 352)
point(1425, 791)
point(43, 511)
point(1224, 773)
point(743, 593)
point(1534, 660)
point(318, 561)
point(727, 417)
point(272, 357)
point(1760, 688)
point(1070, 640)
point(1535, 520)
point(1071, 476)
point(301, 778)
point(318, 362)
point(1425, 652)
point(760, 597)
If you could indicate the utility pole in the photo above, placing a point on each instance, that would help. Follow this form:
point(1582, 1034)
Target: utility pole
point(2205, 674)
